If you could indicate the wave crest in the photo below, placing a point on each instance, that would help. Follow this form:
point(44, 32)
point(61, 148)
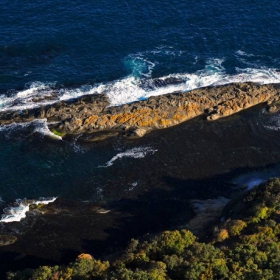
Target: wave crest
point(18, 211)
point(139, 85)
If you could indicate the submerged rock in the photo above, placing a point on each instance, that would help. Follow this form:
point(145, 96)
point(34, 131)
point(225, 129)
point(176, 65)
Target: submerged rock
point(7, 240)
point(90, 114)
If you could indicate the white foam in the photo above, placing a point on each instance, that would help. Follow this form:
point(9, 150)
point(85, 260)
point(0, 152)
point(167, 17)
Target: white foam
point(39, 125)
point(139, 152)
point(275, 123)
point(13, 126)
point(130, 88)
point(43, 128)
point(24, 99)
point(139, 85)
point(33, 89)
point(18, 211)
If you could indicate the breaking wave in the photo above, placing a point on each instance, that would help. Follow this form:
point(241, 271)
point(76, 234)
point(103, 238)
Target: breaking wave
point(139, 84)
point(18, 211)
point(39, 125)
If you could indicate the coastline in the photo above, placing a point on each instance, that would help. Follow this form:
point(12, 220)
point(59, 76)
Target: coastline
point(249, 224)
point(139, 140)
point(196, 160)
point(92, 115)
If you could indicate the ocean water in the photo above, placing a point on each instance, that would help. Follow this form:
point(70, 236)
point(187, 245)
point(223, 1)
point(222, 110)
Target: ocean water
point(129, 50)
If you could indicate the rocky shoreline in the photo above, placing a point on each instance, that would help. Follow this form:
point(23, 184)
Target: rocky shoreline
point(196, 161)
point(92, 115)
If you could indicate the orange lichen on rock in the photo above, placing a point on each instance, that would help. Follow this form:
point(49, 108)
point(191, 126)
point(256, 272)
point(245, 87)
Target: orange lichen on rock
point(165, 123)
point(91, 113)
point(91, 119)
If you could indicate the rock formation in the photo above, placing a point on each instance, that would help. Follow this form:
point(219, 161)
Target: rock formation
point(92, 113)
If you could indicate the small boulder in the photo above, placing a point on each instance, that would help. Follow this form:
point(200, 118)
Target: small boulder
point(136, 132)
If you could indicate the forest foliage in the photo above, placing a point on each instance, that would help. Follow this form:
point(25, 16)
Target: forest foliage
point(246, 245)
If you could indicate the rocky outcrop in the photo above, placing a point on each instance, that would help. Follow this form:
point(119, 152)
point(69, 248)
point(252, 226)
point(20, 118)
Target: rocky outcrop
point(92, 113)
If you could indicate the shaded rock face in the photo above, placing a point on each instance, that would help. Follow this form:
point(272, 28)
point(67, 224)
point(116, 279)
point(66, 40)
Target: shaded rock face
point(7, 240)
point(92, 113)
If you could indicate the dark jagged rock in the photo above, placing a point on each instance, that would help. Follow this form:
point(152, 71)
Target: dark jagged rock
point(90, 114)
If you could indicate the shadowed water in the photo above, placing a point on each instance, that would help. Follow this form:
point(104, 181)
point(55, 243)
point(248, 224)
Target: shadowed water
point(145, 194)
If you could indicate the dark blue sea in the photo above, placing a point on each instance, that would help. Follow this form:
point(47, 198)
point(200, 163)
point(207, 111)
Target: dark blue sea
point(128, 50)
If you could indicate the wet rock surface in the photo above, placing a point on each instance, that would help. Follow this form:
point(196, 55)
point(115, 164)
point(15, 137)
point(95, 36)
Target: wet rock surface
point(91, 114)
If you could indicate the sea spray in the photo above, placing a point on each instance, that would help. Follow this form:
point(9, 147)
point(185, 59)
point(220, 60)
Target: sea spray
point(38, 125)
point(139, 152)
point(25, 99)
point(18, 211)
point(42, 128)
point(140, 85)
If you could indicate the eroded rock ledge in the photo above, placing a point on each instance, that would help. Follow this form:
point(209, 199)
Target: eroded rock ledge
point(91, 114)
